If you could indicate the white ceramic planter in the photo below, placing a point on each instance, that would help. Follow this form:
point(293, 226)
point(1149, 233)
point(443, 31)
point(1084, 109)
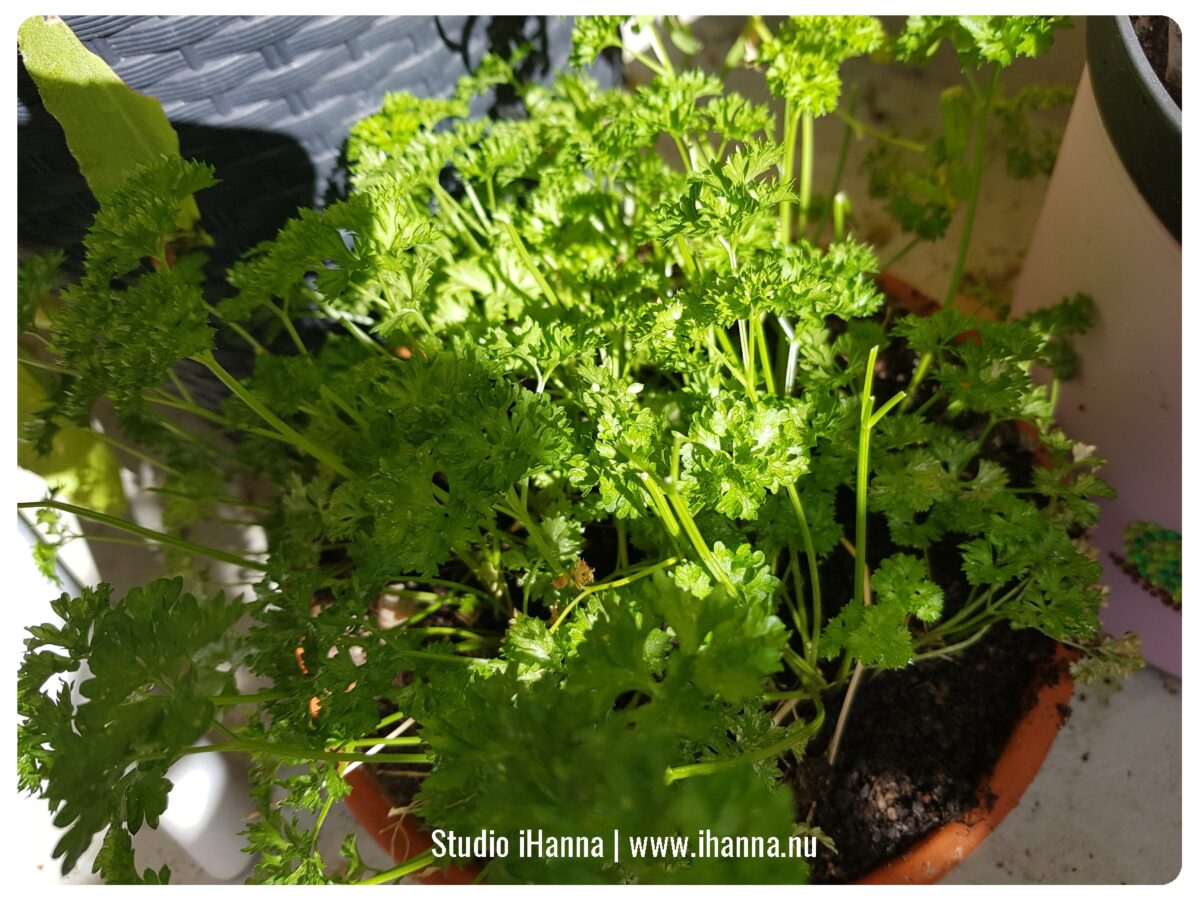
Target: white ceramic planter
point(207, 810)
point(1097, 233)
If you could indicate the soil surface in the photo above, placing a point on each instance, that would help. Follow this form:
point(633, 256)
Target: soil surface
point(1154, 35)
point(917, 745)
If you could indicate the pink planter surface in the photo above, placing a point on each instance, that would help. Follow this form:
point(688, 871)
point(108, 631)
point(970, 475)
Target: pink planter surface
point(1097, 235)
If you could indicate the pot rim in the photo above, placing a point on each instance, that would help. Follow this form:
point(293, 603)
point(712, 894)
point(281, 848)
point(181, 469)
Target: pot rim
point(1144, 124)
point(940, 850)
point(925, 862)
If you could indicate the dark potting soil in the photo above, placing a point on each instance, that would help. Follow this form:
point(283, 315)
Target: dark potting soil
point(1154, 34)
point(917, 745)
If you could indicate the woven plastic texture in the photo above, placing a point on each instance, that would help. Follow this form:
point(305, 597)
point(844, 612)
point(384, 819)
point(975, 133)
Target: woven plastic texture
point(267, 100)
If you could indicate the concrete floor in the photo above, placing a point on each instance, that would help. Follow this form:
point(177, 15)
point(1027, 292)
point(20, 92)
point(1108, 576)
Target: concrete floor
point(1106, 806)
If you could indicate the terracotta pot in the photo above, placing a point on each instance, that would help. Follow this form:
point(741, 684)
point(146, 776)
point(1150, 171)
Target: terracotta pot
point(927, 861)
point(931, 857)
point(399, 836)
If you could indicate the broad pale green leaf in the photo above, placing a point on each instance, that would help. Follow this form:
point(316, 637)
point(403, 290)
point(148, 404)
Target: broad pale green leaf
point(79, 464)
point(111, 129)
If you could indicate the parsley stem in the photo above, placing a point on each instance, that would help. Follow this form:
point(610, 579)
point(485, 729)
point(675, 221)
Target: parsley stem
point(900, 254)
point(764, 352)
point(295, 437)
point(335, 400)
point(610, 584)
point(860, 489)
point(660, 49)
point(236, 328)
point(157, 536)
point(663, 509)
point(136, 453)
point(748, 377)
point(424, 860)
point(976, 180)
point(522, 251)
point(919, 375)
point(836, 184)
point(814, 575)
point(518, 510)
point(392, 719)
point(685, 255)
point(971, 615)
point(800, 666)
point(793, 354)
point(352, 328)
point(458, 214)
point(288, 326)
point(46, 366)
point(445, 657)
point(198, 411)
point(982, 439)
point(244, 698)
point(697, 539)
point(325, 807)
point(646, 61)
point(283, 750)
point(843, 715)
point(806, 167)
point(934, 397)
point(784, 695)
point(886, 408)
point(799, 617)
point(442, 582)
point(384, 741)
point(684, 156)
point(964, 241)
point(954, 647)
point(861, 127)
point(180, 386)
point(475, 204)
point(791, 120)
point(721, 347)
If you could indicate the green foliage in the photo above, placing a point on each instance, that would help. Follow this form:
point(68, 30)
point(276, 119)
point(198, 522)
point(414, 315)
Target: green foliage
point(1157, 554)
point(120, 330)
point(923, 185)
point(1028, 150)
point(581, 439)
point(979, 40)
point(804, 57)
point(612, 708)
point(38, 277)
point(592, 36)
point(102, 762)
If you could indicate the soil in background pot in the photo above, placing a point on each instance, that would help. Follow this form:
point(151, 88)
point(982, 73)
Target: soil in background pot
point(1155, 35)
